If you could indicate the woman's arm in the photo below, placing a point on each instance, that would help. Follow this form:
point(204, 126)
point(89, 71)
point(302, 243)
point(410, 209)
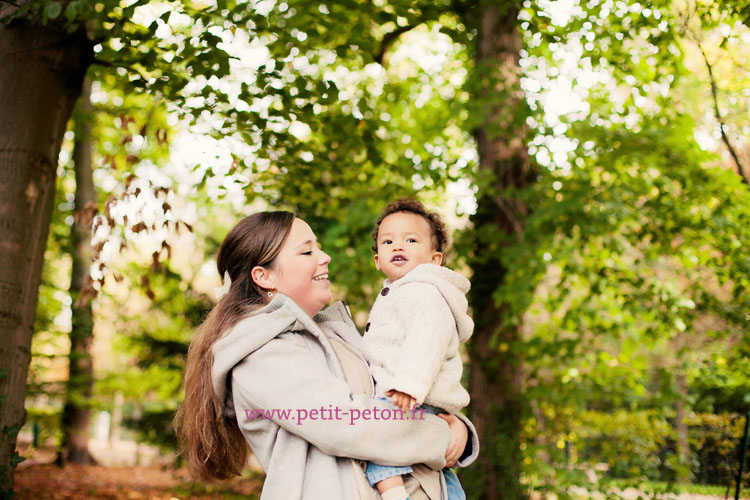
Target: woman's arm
point(311, 402)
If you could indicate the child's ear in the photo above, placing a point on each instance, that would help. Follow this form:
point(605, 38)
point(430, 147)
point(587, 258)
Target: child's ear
point(377, 263)
point(437, 258)
point(262, 277)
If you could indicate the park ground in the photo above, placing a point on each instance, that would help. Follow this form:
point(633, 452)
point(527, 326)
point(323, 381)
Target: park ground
point(159, 482)
point(140, 473)
point(154, 482)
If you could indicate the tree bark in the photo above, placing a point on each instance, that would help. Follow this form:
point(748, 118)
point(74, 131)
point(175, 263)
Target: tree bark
point(496, 365)
point(77, 413)
point(43, 68)
point(681, 429)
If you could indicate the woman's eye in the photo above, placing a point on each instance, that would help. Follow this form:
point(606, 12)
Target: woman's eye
point(309, 252)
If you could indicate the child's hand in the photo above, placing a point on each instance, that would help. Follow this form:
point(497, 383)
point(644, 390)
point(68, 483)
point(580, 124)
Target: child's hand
point(401, 400)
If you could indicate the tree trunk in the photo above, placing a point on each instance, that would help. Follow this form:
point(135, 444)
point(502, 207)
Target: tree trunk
point(681, 429)
point(496, 366)
point(42, 72)
point(76, 413)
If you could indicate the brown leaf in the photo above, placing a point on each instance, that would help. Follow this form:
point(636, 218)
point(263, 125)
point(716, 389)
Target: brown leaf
point(97, 249)
point(87, 294)
point(156, 266)
point(161, 136)
point(165, 246)
point(89, 212)
point(146, 285)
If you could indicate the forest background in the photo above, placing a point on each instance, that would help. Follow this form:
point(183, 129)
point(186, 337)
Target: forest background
point(592, 157)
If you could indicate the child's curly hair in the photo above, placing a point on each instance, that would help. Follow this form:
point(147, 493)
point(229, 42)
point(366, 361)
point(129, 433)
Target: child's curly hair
point(437, 226)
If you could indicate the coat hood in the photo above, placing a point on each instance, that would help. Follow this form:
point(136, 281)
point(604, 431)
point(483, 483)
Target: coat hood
point(452, 286)
point(252, 332)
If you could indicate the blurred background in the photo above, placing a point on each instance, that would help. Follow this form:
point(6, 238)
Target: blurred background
point(591, 159)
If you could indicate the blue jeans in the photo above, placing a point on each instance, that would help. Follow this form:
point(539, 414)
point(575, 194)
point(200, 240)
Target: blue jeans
point(376, 473)
point(453, 485)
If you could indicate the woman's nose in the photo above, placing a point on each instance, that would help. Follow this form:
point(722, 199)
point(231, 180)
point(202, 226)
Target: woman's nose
point(324, 258)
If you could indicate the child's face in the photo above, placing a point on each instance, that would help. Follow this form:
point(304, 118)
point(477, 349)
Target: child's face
point(404, 242)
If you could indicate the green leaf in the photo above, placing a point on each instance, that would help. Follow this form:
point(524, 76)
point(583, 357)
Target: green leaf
point(71, 11)
point(53, 10)
point(11, 431)
point(16, 459)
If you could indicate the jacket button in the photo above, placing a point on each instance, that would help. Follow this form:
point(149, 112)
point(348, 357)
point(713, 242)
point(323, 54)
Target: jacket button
point(367, 328)
point(385, 291)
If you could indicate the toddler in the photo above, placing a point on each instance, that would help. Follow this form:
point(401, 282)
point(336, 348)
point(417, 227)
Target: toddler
point(415, 326)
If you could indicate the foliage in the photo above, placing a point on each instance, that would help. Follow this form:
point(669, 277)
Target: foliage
point(621, 448)
point(630, 443)
point(155, 342)
point(128, 131)
point(631, 270)
point(632, 267)
point(715, 441)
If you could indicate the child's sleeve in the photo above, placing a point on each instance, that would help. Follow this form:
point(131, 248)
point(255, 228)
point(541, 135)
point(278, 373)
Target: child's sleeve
point(429, 328)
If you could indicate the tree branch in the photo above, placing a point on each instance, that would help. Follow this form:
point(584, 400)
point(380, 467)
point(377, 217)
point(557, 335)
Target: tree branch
point(108, 64)
point(388, 39)
point(717, 114)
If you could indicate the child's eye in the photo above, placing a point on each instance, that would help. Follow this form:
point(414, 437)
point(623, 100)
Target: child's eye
point(411, 240)
point(387, 242)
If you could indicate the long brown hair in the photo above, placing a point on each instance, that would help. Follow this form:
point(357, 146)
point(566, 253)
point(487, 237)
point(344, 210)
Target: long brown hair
point(211, 443)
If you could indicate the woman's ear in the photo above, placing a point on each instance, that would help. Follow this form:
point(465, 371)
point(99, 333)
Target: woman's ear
point(262, 277)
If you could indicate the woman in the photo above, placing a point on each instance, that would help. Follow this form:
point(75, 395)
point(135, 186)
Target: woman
point(268, 369)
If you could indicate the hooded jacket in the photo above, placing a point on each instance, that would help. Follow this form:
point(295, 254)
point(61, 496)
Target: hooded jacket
point(280, 360)
point(412, 337)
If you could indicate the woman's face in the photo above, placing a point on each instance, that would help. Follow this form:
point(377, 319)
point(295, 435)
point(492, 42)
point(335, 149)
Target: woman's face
point(301, 269)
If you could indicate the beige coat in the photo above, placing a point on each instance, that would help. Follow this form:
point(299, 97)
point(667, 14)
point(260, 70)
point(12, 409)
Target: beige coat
point(280, 359)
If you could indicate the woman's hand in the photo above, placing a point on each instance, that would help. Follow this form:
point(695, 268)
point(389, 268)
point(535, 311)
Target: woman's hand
point(459, 437)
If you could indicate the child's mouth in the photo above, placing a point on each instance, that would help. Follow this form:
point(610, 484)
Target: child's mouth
point(398, 258)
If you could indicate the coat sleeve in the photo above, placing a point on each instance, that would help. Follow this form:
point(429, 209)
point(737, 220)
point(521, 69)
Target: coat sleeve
point(429, 327)
point(471, 452)
point(301, 395)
